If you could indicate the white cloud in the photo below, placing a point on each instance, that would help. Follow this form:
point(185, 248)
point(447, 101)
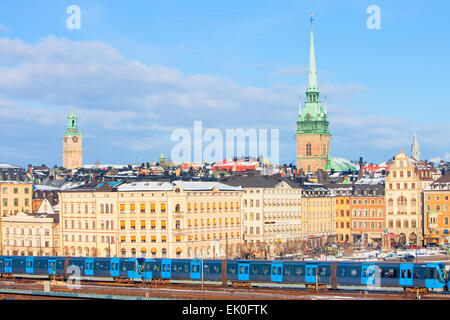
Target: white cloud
point(136, 106)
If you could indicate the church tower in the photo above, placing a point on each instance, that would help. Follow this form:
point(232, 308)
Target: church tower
point(415, 149)
point(72, 146)
point(313, 136)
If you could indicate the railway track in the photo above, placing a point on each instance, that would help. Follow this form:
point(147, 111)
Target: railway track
point(208, 291)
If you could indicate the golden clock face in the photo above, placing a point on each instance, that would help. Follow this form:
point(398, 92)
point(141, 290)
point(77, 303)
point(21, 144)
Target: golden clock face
point(75, 138)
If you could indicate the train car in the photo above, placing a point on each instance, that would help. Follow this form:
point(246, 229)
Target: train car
point(41, 266)
point(431, 276)
point(298, 272)
point(182, 269)
point(114, 268)
point(404, 275)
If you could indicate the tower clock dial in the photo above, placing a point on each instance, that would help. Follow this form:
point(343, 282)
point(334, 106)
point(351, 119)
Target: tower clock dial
point(75, 139)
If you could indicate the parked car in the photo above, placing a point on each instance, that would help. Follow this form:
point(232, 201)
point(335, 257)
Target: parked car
point(391, 257)
point(407, 257)
point(432, 245)
point(413, 246)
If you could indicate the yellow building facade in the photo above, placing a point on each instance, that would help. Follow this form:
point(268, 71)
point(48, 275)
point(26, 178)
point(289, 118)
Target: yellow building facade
point(318, 216)
point(30, 235)
point(343, 214)
point(152, 219)
point(15, 197)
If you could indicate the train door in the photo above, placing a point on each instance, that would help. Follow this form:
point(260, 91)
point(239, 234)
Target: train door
point(30, 265)
point(243, 271)
point(311, 270)
point(166, 267)
point(89, 266)
point(8, 265)
point(367, 273)
point(276, 272)
point(406, 274)
point(195, 269)
point(114, 267)
point(432, 275)
point(51, 266)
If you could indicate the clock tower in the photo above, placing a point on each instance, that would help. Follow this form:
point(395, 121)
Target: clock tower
point(72, 146)
point(313, 135)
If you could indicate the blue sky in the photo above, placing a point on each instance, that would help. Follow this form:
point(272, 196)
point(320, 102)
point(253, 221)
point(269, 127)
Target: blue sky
point(136, 71)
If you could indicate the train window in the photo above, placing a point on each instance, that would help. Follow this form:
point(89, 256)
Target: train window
point(241, 269)
point(409, 273)
point(186, 268)
point(246, 269)
point(279, 271)
point(392, 273)
point(342, 272)
point(264, 270)
point(298, 271)
point(430, 273)
point(287, 270)
point(163, 268)
point(403, 273)
point(274, 270)
point(216, 268)
point(232, 269)
point(254, 270)
point(308, 271)
point(323, 272)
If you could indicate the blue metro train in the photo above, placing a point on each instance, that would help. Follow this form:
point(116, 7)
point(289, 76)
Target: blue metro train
point(333, 274)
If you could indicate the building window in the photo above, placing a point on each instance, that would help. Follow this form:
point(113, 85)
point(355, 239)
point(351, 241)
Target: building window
point(308, 149)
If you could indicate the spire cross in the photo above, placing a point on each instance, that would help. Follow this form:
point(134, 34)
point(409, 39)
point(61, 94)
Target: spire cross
point(311, 20)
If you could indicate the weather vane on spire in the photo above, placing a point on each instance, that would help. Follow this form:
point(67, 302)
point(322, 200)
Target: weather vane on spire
point(311, 19)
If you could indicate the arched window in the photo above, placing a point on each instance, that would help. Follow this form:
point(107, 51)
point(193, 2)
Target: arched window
point(401, 201)
point(177, 208)
point(308, 149)
point(177, 224)
point(391, 202)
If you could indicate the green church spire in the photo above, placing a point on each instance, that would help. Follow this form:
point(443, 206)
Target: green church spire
point(312, 76)
point(313, 117)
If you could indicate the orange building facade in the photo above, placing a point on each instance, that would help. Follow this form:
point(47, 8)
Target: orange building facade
point(436, 211)
point(368, 214)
